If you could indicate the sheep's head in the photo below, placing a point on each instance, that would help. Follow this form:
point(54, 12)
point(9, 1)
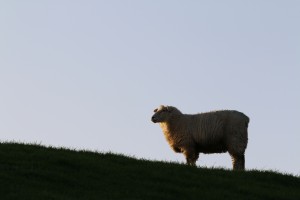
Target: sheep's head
point(164, 113)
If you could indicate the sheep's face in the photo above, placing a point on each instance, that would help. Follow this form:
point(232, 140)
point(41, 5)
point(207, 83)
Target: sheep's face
point(162, 114)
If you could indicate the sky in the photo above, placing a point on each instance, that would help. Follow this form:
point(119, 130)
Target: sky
point(88, 74)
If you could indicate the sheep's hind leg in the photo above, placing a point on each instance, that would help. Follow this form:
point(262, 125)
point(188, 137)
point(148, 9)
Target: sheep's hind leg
point(238, 162)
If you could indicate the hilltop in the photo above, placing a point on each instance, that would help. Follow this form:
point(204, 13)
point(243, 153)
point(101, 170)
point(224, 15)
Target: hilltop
point(37, 172)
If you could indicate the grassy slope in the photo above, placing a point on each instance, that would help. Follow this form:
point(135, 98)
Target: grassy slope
point(36, 172)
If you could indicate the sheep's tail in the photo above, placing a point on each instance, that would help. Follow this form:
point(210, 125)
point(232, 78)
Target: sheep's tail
point(247, 120)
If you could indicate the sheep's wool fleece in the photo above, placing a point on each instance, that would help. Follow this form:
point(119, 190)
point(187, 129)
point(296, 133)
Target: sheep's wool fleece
point(211, 132)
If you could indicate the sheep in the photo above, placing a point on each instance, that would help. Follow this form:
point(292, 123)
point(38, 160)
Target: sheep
point(211, 132)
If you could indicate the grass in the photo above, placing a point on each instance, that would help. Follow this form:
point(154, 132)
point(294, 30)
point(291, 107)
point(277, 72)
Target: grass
point(37, 172)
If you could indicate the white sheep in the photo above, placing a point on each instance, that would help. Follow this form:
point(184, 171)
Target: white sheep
point(211, 132)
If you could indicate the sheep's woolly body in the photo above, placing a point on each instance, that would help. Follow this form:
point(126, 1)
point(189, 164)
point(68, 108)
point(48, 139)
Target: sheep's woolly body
point(211, 132)
point(208, 132)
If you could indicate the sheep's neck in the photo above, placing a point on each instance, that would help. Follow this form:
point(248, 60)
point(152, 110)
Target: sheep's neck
point(172, 131)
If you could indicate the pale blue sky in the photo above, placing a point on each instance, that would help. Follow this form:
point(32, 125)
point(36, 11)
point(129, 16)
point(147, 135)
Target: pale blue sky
point(88, 74)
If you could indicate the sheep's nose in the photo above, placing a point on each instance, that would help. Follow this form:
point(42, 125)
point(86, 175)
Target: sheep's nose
point(153, 119)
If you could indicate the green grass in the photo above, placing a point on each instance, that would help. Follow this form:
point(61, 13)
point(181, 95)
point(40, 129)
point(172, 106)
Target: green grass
point(37, 172)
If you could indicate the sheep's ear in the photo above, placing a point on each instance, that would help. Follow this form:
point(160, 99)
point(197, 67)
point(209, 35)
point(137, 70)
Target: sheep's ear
point(155, 110)
point(169, 109)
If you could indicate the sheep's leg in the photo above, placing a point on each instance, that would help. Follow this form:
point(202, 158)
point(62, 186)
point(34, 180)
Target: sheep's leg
point(191, 157)
point(238, 162)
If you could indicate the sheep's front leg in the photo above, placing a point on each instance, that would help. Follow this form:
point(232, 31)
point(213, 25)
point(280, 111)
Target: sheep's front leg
point(191, 157)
